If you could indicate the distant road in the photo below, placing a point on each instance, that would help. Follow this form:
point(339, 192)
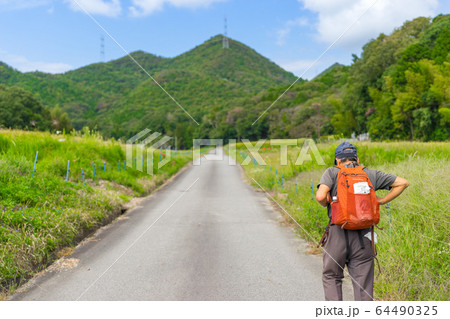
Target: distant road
point(213, 238)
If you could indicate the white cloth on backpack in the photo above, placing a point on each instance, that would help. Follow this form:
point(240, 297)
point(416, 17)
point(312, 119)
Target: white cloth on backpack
point(369, 235)
point(361, 188)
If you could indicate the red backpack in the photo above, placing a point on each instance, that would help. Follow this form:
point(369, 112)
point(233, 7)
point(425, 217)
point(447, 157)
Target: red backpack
point(356, 205)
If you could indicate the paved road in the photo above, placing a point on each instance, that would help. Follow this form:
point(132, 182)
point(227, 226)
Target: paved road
point(206, 236)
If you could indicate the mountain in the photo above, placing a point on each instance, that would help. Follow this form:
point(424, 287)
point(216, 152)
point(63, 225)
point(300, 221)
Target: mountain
point(120, 99)
point(396, 89)
point(238, 64)
point(329, 69)
point(203, 79)
point(120, 75)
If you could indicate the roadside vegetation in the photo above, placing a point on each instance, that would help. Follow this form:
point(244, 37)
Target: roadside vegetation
point(41, 216)
point(414, 243)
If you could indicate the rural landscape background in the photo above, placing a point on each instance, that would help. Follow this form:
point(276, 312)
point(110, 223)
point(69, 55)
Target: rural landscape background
point(397, 90)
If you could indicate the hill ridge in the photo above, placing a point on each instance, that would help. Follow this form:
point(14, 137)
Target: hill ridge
point(103, 94)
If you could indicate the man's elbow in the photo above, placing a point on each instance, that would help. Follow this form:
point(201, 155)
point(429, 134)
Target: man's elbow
point(321, 199)
point(406, 184)
point(322, 195)
point(400, 183)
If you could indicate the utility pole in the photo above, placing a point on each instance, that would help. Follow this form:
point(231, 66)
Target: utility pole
point(225, 42)
point(102, 48)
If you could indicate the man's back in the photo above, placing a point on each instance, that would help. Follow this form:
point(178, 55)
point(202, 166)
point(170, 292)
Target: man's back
point(379, 179)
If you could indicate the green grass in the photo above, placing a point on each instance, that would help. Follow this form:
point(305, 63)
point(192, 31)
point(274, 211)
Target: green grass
point(415, 253)
point(41, 215)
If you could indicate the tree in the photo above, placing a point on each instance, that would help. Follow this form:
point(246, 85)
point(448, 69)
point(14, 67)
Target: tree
point(417, 103)
point(20, 109)
point(441, 49)
point(380, 123)
point(409, 100)
point(59, 119)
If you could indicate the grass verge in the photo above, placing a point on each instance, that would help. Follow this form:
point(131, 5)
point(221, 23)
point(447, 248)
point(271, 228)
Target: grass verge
point(42, 215)
point(413, 248)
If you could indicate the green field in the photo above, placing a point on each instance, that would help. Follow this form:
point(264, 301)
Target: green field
point(413, 248)
point(42, 216)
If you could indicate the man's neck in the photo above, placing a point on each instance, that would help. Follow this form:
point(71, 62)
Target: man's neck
point(350, 164)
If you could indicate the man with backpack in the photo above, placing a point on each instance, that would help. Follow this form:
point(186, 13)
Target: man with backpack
point(348, 192)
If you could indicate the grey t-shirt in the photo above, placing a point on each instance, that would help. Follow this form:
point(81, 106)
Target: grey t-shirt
point(379, 180)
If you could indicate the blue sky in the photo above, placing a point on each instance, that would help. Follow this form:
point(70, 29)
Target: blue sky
point(56, 35)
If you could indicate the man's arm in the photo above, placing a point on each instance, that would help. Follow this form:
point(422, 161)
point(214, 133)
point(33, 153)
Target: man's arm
point(323, 195)
point(399, 185)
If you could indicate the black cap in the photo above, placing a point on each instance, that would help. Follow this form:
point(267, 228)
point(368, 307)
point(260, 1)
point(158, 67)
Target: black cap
point(345, 150)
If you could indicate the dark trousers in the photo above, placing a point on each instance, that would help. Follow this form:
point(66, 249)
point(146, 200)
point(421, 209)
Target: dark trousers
point(360, 264)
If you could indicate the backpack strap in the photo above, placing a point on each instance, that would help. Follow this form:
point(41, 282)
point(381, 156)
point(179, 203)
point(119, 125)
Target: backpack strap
point(361, 241)
point(372, 231)
point(325, 235)
point(374, 248)
point(347, 247)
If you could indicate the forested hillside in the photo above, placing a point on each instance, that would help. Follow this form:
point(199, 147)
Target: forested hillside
point(119, 99)
point(397, 89)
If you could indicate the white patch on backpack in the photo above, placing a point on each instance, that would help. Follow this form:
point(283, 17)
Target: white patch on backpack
point(361, 188)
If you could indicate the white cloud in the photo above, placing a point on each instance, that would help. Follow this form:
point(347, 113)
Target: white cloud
point(334, 16)
point(146, 7)
point(22, 64)
point(111, 8)
point(288, 26)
